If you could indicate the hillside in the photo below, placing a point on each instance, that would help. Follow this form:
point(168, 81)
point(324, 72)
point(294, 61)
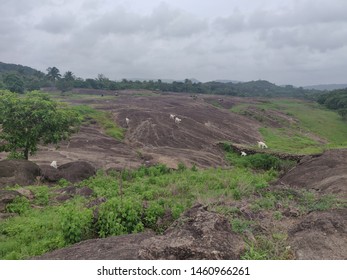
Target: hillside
point(158, 174)
point(20, 69)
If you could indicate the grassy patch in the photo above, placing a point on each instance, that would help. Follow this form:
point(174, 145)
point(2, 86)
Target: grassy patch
point(313, 122)
point(103, 118)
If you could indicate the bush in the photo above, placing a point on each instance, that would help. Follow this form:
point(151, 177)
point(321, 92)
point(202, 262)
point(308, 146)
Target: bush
point(19, 205)
point(152, 214)
point(117, 216)
point(76, 224)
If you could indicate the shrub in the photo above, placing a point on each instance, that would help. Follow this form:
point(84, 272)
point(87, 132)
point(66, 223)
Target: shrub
point(76, 224)
point(153, 212)
point(117, 216)
point(19, 205)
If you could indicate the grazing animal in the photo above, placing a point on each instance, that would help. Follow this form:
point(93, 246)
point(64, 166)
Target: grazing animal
point(172, 116)
point(262, 145)
point(54, 164)
point(243, 154)
point(127, 121)
point(177, 120)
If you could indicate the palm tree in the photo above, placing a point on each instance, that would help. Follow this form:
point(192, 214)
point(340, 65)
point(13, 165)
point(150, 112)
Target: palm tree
point(69, 76)
point(53, 74)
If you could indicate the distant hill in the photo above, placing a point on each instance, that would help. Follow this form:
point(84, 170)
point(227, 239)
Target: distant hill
point(326, 87)
point(227, 81)
point(20, 69)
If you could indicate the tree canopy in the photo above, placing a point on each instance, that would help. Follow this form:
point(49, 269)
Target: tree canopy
point(26, 122)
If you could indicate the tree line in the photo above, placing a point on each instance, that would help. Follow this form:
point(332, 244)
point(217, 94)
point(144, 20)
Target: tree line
point(19, 79)
point(335, 100)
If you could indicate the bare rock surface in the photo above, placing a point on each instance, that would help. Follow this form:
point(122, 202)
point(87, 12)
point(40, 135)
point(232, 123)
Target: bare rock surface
point(21, 172)
point(123, 247)
point(326, 174)
point(321, 235)
point(198, 234)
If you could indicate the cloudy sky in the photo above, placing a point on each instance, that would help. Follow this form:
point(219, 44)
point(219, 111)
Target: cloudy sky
point(299, 42)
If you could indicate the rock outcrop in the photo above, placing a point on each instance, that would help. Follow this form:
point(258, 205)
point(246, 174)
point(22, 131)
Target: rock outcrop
point(18, 171)
point(198, 234)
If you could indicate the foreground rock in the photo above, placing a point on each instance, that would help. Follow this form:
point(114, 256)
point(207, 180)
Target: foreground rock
point(198, 234)
point(73, 172)
point(124, 247)
point(77, 171)
point(321, 235)
point(21, 172)
point(326, 174)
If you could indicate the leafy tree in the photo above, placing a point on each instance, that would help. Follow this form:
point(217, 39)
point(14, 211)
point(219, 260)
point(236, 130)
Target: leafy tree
point(67, 82)
point(31, 120)
point(53, 74)
point(69, 76)
point(13, 83)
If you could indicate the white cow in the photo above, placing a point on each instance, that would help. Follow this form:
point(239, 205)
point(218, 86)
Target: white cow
point(127, 121)
point(243, 154)
point(54, 164)
point(262, 145)
point(177, 120)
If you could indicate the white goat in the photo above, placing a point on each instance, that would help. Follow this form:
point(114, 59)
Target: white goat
point(243, 154)
point(262, 145)
point(177, 120)
point(54, 164)
point(172, 116)
point(127, 121)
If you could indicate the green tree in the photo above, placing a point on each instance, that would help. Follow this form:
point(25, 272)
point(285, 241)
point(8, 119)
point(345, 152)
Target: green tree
point(13, 83)
point(31, 120)
point(53, 74)
point(67, 82)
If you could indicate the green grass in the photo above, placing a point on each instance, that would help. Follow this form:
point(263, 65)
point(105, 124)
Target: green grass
point(103, 118)
point(298, 138)
point(135, 200)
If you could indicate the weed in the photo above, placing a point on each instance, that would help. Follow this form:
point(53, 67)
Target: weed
point(76, 223)
point(240, 225)
point(19, 205)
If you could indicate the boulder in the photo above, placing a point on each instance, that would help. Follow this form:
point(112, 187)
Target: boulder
point(123, 247)
point(6, 197)
point(77, 171)
point(50, 174)
point(69, 192)
point(21, 172)
point(198, 234)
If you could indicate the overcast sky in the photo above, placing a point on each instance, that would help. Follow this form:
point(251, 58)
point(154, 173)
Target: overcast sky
point(299, 42)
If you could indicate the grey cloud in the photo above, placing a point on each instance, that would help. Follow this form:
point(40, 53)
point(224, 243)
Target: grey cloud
point(57, 23)
point(163, 22)
point(320, 37)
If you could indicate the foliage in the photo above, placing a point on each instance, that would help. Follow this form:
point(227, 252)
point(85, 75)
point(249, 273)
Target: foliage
point(19, 205)
point(240, 225)
point(335, 100)
point(13, 83)
point(258, 161)
point(117, 216)
point(76, 223)
point(53, 74)
point(32, 120)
